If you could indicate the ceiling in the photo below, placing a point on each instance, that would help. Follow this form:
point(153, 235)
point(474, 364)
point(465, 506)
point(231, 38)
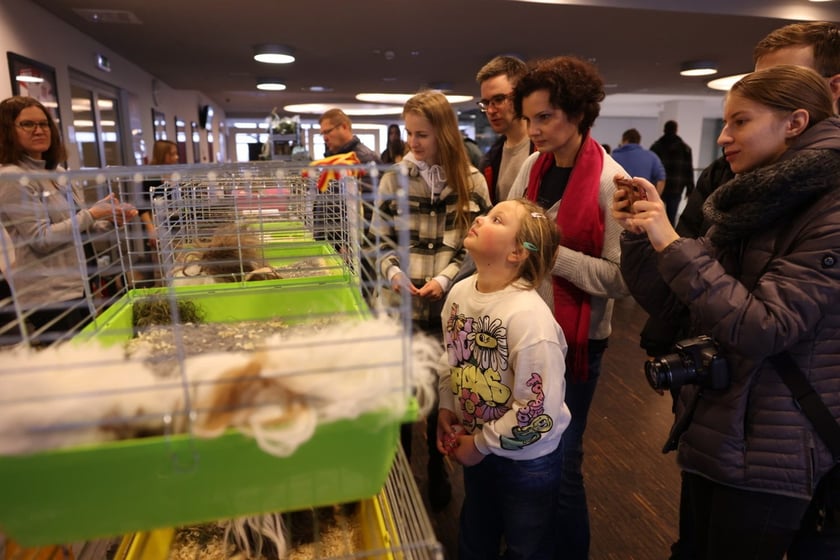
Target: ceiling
point(401, 46)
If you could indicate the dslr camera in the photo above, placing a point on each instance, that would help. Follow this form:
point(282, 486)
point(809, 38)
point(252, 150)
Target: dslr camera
point(694, 361)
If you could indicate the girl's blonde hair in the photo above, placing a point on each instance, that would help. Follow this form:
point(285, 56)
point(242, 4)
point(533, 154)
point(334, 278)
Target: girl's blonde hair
point(434, 107)
point(539, 236)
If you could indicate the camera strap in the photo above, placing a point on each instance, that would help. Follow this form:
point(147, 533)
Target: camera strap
point(809, 402)
point(681, 425)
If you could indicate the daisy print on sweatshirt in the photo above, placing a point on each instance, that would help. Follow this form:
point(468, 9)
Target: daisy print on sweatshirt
point(478, 350)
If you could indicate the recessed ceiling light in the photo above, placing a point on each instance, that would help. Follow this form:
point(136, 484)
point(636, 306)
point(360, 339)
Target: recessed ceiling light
point(29, 79)
point(352, 109)
point(273, 54)
point(401, 98)
point(698, 68)
point(270, 84)
point(725, 83)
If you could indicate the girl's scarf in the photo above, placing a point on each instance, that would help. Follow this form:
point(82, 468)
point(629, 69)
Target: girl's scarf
point(581, 224)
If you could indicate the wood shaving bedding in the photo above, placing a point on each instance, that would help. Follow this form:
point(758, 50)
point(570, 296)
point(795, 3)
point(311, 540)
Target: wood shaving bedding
point(326, 532)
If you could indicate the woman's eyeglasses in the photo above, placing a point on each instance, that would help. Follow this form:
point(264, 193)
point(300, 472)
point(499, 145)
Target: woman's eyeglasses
point(30, 126)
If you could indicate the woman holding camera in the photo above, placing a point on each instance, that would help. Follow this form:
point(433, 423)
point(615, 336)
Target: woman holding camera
point(764, 281)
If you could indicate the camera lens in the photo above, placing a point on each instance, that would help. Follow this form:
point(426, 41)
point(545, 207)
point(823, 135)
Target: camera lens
point(656, 377)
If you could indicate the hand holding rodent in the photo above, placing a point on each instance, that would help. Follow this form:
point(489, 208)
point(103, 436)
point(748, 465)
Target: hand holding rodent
point(648, 213)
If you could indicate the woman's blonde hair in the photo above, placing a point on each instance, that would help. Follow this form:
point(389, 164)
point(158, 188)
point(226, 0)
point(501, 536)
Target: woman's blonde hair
point(539, 236)
point(434, 106)
point(160, 150)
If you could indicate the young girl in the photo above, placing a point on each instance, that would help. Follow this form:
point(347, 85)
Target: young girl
point(502, 410)
point(444, 194)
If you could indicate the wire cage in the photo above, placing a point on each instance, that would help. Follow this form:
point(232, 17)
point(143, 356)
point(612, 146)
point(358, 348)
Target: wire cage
point(245, 361)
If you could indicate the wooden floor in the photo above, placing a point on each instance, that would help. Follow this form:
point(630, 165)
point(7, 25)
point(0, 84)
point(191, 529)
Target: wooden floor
point(632, 488)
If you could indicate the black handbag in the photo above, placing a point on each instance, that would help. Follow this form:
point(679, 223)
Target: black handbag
point(823, 515)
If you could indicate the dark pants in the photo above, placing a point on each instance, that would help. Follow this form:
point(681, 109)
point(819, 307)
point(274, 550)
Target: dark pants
point(573, 513)
point(60, 321)
point(733, 524)
point(672, 204)
point(510, 500)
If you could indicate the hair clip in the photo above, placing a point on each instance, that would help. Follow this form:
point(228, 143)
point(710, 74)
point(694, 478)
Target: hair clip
point(530, 246)
point(537, 215)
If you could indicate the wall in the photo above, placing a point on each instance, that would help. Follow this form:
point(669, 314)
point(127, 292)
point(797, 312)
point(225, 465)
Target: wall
point(28, 30)
point(608, 130)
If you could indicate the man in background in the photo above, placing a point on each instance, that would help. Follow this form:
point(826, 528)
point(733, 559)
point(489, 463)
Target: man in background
point(502, 162)
point(679, 168)
point(328, 212)
point(638, 161)
point(337, 131)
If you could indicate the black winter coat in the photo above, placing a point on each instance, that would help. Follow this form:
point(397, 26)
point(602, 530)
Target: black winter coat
point(776, 289)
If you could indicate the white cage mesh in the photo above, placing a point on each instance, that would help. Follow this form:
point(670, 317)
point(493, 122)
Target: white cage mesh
point(255, 315)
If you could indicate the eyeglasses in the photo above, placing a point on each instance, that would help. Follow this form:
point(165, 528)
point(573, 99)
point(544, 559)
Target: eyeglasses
point(30, 126)
point(495, 101)
point(325, 131)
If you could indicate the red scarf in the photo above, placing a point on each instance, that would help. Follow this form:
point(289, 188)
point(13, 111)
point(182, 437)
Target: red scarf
point(581, 224)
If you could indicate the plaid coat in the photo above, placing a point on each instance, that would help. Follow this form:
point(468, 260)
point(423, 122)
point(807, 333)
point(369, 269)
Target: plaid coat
point(435, 241)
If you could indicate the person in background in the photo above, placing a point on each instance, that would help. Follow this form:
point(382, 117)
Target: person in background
point(47, 279)
point(571, 177)
point(813, 44)
point(397, 148)
point(750, 457)
point(337, 131)
point(502, 162)
point(679, 167)
point(328, 211)
point(473, 151)
point(164, 152)
point(446, 194)
point(638, 161)
point(501, 411)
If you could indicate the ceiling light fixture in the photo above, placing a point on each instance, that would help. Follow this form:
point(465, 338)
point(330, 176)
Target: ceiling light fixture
point(270, 84)
point(725, 83)
point(273, 54)
point(401, 98)
point(698, 68)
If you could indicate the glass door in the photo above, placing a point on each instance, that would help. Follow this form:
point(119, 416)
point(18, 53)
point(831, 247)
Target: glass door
point(97, 130)
point(181, 139)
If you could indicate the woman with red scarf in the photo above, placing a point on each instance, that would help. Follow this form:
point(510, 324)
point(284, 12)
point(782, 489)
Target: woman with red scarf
point(571, 177)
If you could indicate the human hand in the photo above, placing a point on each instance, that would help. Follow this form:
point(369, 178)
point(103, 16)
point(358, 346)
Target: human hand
point(401, 282)
point(432, 290)
point(447, 429)
point(622, 209)
point(110, 208)
point(123, 212)
point(651, 217)
point(465, 451)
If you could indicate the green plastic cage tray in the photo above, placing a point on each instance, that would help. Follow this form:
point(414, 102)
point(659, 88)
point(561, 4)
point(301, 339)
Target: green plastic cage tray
point(115, 488)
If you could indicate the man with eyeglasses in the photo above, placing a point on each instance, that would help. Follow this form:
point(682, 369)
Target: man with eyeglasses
point(503, 160)
point(337, 131)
